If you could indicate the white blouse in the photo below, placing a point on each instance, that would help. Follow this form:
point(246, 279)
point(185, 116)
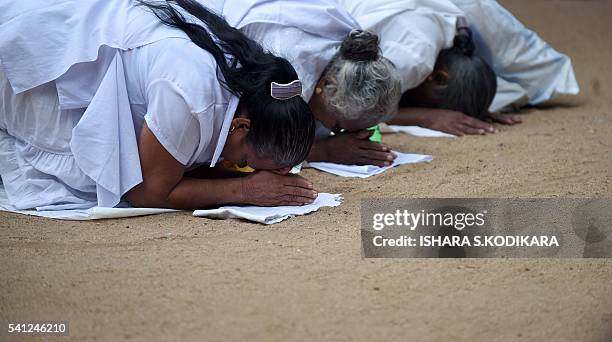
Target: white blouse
point(307, 33)
point(412, 32)
point(118, 67)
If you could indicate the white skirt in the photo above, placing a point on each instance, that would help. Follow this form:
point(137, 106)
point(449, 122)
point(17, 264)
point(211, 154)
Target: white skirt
point(37, 167)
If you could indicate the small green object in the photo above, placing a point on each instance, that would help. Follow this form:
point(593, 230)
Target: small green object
point(376, 136)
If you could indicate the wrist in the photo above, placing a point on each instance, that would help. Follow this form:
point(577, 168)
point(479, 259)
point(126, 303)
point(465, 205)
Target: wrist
point(232, 191)
point(243, 189)
point(426, 117)
point(412, 116)
point(318, 152)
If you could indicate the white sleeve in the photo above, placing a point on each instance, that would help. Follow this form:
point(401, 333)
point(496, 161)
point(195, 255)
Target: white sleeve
point(308, 53)
point(171, 120)
point(413, 39)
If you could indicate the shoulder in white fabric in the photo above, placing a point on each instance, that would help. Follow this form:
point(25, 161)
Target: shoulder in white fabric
point(30, 30)
point(371, 12)
point(412, 33)
point(307, 33)
point(319, 17)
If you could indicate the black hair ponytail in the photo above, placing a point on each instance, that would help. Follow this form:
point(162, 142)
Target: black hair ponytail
point(472, 84)
point(282, 130)
point(464, 42)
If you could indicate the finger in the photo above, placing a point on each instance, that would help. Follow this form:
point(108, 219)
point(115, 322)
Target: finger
point(375, 146)
point(450, 129)
point(301, 192)
point(297, 199)
point(506, 119)
point(367, 161)
point(454, 131)
point(385, 147)
point(376, 155)
point(297, 181)
point(512, 119)
point(471, 130)
point(478, 124)
point(372, 146)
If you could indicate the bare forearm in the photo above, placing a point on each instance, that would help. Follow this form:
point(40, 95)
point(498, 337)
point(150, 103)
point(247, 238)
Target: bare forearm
point(444, 120)
point(411, 116)
point(190, 193)
point(318, 152)
point(205, 172)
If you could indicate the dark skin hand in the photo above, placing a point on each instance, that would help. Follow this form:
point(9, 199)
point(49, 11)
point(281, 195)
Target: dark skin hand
point(450, 121)
point(505, 119)
point(165, 185)
point(268, 188)
point(420, 109)
point(352, 148)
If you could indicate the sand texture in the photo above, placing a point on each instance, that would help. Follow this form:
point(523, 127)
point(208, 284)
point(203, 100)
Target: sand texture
point(176, 277)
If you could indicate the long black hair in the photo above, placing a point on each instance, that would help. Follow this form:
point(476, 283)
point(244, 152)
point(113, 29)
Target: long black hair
point(472, 84)
point(282, 130)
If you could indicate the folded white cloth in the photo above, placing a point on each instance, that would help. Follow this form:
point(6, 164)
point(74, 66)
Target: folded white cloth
point(415, 131)
point(270, 215)
point(266, 215)
point(365, 171)
point(95, 213)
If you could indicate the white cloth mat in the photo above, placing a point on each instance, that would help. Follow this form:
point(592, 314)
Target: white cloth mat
point(270, 215)
point(95, 213)
point(265, 215)
point(415, 131)
point(365, 171)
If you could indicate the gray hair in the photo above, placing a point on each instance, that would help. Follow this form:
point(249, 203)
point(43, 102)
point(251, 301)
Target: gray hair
point(363, 85)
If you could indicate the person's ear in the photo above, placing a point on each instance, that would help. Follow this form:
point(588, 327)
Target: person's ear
point(439, 77)
point(328, 83)
point(240, 125)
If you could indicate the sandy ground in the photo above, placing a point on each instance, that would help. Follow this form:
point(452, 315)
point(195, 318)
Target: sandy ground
point(178, 277)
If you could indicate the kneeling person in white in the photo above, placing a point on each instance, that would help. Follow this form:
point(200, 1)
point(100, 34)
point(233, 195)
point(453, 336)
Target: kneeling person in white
point(129, 106)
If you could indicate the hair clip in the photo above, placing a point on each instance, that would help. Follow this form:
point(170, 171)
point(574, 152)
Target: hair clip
point(286, 91)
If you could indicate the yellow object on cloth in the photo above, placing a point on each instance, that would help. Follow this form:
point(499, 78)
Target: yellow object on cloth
point(234, 167)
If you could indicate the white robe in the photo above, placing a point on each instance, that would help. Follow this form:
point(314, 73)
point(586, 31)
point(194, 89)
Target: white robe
point(413, 32)
point(529, 70)
point(100, 67)
point(307, 33)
